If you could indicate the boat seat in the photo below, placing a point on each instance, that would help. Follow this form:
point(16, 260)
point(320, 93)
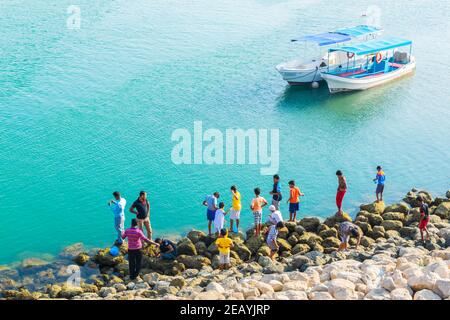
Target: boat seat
point(395, 65)
point(351, 73)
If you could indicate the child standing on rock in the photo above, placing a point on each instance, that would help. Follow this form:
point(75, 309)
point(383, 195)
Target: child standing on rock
point(294, 200)
point(272, 238)
point(424, 217)
point(224, 245)
point(379, 179)
point(219, 218)
point(257, 204)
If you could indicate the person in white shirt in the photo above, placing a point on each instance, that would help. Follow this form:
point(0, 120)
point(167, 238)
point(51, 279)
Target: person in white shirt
point(117, 206)
point(275, 215)
point(219, 218)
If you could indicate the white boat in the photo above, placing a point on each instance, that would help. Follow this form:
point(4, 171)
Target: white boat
point(384, 62)
point(302, 71)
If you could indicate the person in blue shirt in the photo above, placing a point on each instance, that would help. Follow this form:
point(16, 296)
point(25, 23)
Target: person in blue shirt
point(117, 206)
point(380, 178)
point(167, 248)
point(211, 203)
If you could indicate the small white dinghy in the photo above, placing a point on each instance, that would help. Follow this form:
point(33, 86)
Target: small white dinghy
point(302, 71)
point(384, 61)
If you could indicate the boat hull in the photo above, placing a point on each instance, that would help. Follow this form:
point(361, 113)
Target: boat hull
point(341, 84)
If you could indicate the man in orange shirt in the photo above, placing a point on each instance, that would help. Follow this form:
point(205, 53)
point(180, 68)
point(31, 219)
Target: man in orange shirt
point(294, 200)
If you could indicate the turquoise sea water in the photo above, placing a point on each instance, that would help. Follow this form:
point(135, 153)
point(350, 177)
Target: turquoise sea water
point(85, 112)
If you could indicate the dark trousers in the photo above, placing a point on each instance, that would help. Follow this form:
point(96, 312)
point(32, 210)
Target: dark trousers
point(134, 262)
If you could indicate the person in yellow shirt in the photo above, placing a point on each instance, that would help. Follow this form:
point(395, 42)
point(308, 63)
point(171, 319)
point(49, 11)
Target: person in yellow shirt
point(224, 245)
point(236, 206)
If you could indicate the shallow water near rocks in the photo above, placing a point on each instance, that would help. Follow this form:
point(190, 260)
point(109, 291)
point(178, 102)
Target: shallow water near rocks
point(85, 112)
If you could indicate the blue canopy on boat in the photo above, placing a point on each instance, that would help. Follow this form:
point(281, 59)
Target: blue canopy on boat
point(325, 39)
point(359, 31)
point(374, 46)
point(339, 35)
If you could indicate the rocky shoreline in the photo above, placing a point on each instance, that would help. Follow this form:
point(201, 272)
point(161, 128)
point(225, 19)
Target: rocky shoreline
point(391, 264)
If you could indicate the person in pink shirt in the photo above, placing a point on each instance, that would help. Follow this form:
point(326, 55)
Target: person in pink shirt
point(135, 237)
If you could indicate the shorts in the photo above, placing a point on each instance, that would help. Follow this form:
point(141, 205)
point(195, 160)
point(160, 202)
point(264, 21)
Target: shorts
point(380, 188)
point(224, 258)
point(293, 207)
point(210, 215)
point(142, 221)
point(257, 216)
point(235, 214)
point(344, 239)
point(423, 223)
point(276, 204)
point(272, 247)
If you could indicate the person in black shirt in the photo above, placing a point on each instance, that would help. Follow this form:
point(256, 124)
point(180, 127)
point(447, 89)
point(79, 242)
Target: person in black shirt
point(167, 248)
point(141, 208)
point(424, 217)
point(276, 192)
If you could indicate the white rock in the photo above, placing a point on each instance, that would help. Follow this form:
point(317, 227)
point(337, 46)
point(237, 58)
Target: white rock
point(296, 295)
point(295, 285)
point(264, 288)
point(106, 291)
point(276, 285)
point(237, 296)
point(443, 287)
point(426, 294)
point(251, 292)
point(345, 294)
point(377, 294)
point(400, 294)
point(209, 295)
point(341, 289)
point(215, 286)
point(388, 283)
point(360, 287)
point(320, 296)
point(440, 268)
point(425, 281)
point(320, 288)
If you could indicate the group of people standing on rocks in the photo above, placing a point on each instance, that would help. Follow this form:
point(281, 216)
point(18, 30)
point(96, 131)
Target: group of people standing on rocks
point(216, 213)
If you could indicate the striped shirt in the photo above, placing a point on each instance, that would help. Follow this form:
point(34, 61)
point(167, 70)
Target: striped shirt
point(134, 236)
point(273, 233)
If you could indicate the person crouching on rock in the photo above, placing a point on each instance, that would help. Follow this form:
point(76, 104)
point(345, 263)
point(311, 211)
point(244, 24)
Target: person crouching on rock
point(424, 217)
point(275, 215)
point(168, 250)
point(135, 237)
point(272, 238)
point(346, 230)
point(224, 245)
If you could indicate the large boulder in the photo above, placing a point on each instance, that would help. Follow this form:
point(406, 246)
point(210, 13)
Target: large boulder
point(72, 251)
point(374, 207)
point(331, 232)
point(187, 247)
point(426, 294)
point(284, 245)
point(201, 248)
point(364, 226)
point(104, 259)
point(413, 216)
point(310, 223)
point(443, 210)
point(397, 207)
point(194, 262)
point(300, 248)
point(254, 243)
point(399, 216)
point(168, 267)
point(377, 232)
point(411, 197)
point(196, 236)
point(392, 225)
point(81, 259)
point(309, 238)
point(241, 249)
point(331, 242)
point(373, 218)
